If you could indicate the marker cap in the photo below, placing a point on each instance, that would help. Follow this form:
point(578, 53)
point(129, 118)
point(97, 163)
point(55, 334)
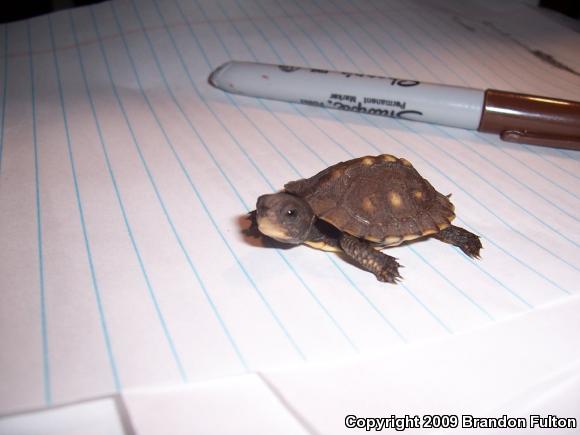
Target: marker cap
point(531, 119)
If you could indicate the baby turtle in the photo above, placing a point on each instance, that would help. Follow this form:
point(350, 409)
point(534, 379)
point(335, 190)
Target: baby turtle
point(360, 207)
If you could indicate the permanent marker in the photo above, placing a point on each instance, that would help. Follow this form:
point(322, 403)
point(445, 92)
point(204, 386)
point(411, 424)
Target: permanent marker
point(515, 117)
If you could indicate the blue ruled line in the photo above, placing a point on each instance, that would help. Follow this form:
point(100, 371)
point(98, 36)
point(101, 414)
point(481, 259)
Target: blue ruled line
point(389, 324)
point(312, 294)
point(464, 294)
point(515, 180)
point(476, 72)
point(329, 255)
point(476, 264)
point(566, 153)
point(47, 389)
point(500, 147)
point(379, 150)
point(411, 128)
point(151, 291)
point(268, 182)
point(96, 289)
point(508, 198)
point(430, 312)
point(192, 184)
point(200, 281)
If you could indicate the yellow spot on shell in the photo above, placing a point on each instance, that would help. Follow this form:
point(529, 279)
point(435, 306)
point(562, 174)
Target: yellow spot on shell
point(367, 204)
point(389, 158)
point(336, 173)
point(418, 194)
point(395, 199)
point(405, 162)
point(367, 161)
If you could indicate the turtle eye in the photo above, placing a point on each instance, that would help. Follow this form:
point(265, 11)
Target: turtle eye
point(292, 212)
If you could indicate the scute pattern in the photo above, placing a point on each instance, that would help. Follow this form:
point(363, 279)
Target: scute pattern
point(382, 199)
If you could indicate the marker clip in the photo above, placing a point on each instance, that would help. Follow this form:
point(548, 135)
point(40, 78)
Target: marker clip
point(528, 137)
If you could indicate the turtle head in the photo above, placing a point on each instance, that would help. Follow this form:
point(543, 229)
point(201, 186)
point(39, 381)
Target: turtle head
point(284, 217)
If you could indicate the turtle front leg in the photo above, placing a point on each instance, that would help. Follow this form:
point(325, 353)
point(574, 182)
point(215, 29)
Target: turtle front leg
point(383, 266)
point(463, 239)
point(252, 230)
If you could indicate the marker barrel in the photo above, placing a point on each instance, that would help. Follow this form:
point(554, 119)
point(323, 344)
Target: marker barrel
point(453, 106)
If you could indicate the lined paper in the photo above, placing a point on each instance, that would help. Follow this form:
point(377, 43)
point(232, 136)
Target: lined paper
point(124, 179)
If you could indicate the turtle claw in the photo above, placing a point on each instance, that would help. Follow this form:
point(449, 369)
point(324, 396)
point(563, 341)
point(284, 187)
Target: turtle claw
point(472, 247)
point(391, 279)
point(390, 272)
point(468, 242)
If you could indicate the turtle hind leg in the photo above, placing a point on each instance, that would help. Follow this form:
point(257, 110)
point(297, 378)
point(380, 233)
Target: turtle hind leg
point(383, 266)
point(463, 239)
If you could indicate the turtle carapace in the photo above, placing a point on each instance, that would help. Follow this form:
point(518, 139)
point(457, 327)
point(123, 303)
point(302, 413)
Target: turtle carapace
point(360, 207)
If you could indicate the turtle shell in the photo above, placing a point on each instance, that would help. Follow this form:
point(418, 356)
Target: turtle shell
point(382, 199)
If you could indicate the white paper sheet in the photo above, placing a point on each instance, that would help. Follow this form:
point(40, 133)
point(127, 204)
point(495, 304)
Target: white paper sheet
point(490, 372)
point(494, 371)
point(232, 405)
point(96, 417)
point(504, 369)
point(123, 176)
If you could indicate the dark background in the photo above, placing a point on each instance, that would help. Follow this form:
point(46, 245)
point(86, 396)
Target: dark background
point(21, 9)
point(567, 7)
